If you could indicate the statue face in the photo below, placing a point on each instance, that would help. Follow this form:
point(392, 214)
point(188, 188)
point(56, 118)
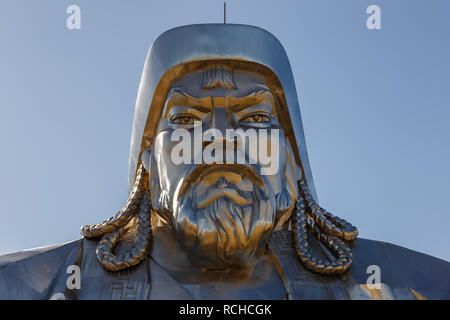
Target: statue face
point(215, 190)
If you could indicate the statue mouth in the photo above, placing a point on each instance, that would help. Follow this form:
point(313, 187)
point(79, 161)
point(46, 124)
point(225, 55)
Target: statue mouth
point(212, 195)
point(241, 176)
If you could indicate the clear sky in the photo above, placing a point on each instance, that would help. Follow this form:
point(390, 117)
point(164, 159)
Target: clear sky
point(375, 107)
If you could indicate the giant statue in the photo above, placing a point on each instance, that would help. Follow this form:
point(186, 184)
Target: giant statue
point(221, 201)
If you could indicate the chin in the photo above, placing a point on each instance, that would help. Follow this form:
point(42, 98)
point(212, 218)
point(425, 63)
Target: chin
point(220, 231)
point(222, 227)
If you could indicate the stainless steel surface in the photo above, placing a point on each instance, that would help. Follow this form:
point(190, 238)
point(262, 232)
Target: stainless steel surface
point(222, 213)
point(41, 273)
point(220, 231)
point(205, 42)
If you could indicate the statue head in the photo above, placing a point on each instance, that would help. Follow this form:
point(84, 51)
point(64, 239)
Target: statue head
point(224, 172)
point(218, 155)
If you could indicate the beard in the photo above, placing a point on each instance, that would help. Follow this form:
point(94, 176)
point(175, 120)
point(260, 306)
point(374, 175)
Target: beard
point(224, 234)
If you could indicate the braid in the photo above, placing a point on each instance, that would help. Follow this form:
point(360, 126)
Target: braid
point(137, 208)
point(329, 229)
point(308, 216)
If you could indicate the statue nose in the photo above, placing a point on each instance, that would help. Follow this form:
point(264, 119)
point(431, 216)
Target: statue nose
point(220, 120)
point(230, 143)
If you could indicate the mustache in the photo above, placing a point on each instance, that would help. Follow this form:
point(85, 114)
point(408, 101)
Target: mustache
point(200, 171)
point(223, 230)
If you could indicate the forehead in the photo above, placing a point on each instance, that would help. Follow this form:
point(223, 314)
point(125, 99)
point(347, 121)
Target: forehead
point(242, 83)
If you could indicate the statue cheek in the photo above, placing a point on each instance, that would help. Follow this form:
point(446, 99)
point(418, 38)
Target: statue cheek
point(277, 181)
point(163, 144)
point(170, 172)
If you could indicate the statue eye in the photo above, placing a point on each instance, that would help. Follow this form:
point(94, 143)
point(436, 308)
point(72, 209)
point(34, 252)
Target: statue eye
point(184, 119)
point(257, 118)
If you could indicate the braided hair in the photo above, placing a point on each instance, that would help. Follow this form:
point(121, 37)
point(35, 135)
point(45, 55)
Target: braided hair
point(136, 208)
point(308, 216)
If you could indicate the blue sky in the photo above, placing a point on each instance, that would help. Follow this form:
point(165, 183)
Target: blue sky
point(374, 105)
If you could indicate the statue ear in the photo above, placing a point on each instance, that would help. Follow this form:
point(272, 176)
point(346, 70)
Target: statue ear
point(145, 158)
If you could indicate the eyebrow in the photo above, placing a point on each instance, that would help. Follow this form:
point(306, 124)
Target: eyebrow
point(207, 104)
point(178, 97)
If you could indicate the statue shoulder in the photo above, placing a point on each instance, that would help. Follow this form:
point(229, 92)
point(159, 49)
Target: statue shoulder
point(29, 274)
point(401, 267)
point(403, 273)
